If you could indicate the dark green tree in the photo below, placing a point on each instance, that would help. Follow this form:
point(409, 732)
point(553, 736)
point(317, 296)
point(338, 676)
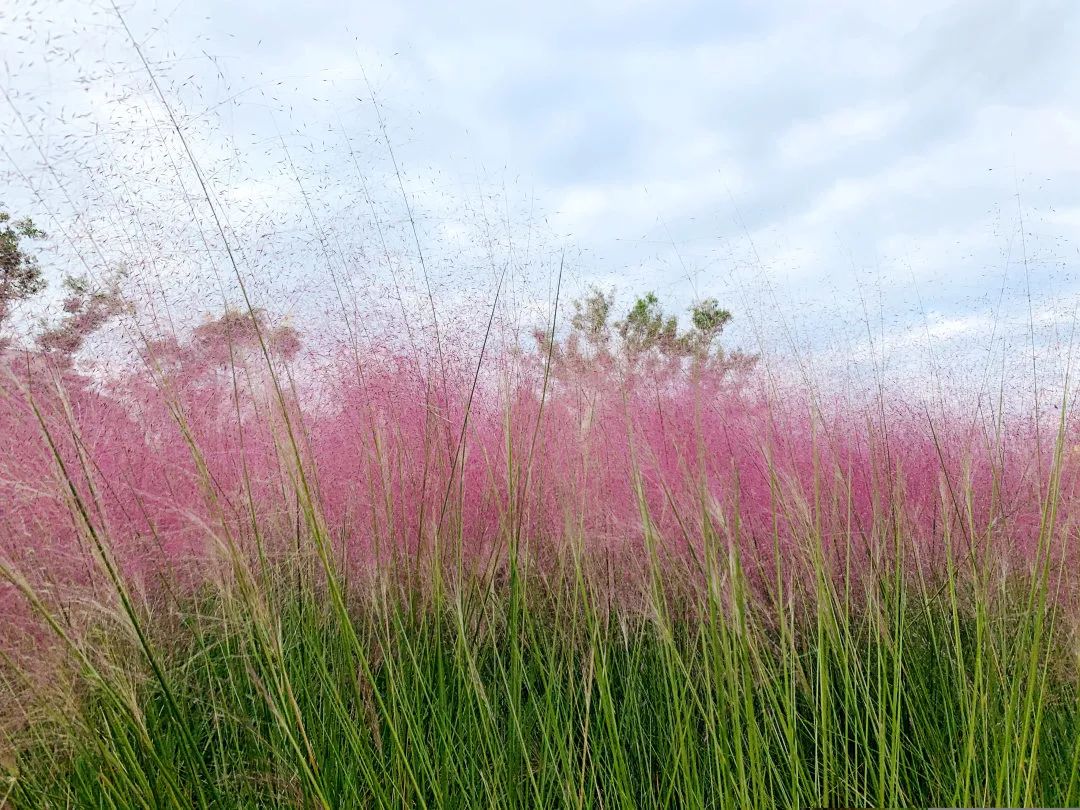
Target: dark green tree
point(20, 273)
point(87, 307)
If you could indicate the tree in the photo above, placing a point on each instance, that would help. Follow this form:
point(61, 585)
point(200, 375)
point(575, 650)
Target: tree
point(708, 321)
point(244, 331)
point(591, 315)
point(646, 328)
point(646, 339)
point(86, 309)
point(236, 337)
point(20, 273)
point(589, 340)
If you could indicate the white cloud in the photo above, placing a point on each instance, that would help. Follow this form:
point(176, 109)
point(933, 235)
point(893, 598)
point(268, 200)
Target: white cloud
point(832, 133)
point(846, 140)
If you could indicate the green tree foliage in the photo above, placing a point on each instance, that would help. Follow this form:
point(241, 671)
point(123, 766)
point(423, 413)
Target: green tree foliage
point(590, 320)
point(20, 273)
point(645, 338)
point(646, 327)
point(87, 307)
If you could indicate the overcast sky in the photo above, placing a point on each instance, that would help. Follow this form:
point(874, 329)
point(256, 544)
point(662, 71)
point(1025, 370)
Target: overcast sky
point(817, 165)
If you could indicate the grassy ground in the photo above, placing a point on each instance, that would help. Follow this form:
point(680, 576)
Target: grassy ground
point(808, 633)
point(522, 691)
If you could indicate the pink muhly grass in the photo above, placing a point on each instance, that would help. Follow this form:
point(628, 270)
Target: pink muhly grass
point(396, 477)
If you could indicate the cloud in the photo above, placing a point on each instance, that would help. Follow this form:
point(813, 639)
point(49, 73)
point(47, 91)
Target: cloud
point(803, 154)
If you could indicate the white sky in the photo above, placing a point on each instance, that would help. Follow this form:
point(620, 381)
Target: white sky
point(850, 176)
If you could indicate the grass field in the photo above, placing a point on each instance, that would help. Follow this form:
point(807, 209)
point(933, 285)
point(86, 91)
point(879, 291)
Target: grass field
point(529, 692)
point(751, 607)
point(411, 558)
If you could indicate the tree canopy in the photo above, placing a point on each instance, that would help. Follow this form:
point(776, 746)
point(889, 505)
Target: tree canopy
point(20, 272)
point(645, 338)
